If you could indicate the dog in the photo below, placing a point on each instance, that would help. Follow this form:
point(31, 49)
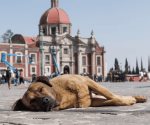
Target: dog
point(70, 91)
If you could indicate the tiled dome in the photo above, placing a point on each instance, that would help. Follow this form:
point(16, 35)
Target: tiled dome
point(54, 16)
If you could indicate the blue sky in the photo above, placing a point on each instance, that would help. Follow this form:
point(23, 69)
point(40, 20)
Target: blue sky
point(121, 26)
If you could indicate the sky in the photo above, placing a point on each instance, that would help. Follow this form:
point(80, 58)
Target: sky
point(121, 26)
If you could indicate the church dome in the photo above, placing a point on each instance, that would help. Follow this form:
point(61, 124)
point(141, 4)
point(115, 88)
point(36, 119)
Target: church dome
point(55, 16)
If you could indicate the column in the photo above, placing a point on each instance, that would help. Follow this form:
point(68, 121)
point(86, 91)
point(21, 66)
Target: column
point(11, 52)
point(26, 61)
point(58, 57)
point(93, 62)
point(103, 66)
point(72, 60)
point(42, 57)
point(79, 62)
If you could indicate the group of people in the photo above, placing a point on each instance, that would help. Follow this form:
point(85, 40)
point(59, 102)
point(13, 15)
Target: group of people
point(98, 78)
point(143, 76)
point(15, 77)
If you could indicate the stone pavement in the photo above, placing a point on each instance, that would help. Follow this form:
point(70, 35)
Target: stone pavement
point(138, 114)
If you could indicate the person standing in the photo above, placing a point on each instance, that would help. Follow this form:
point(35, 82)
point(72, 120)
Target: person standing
point(21, 77)
point(17, 77)
point(8, 77)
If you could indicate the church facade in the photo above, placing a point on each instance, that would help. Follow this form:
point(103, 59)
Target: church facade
point(74, 54)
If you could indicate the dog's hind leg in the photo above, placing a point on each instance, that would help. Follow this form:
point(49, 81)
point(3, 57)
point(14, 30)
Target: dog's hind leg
point(97, 102)
point(117, 101)
point(112, 98)
point(99, 89)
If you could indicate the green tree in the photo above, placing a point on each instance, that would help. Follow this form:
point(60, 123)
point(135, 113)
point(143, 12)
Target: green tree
point(7, 35)
point(133, 71)
point(126, 66)
point(116, 65)
point(142, 65)
point(137, 67)
point(129, 72)
point(149, 64)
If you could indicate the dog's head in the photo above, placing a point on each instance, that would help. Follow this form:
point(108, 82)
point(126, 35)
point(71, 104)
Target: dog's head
point(39, 97)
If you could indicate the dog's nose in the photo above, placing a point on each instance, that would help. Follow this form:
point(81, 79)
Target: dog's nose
point(46, 100)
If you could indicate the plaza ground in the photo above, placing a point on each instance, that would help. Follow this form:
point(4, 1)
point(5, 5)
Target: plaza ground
point(138, 114)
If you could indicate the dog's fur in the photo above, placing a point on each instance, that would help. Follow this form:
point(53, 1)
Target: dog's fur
point(70, 91)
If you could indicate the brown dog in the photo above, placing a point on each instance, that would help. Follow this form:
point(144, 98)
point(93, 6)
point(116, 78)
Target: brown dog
point(70, 91)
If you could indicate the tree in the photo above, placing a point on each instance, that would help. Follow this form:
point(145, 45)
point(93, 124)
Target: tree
point(116, 65)
point(142, 65)
point(126, 66)
point(137, 67)
point(149, 64)
point(133, 71)
point(129, 72)
point(7, 35)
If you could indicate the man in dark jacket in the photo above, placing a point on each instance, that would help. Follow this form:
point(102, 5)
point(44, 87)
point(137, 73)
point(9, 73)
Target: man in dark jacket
point(8, 77)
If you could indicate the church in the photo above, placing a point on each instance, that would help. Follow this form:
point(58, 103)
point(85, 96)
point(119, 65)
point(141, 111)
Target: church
point(74, 54)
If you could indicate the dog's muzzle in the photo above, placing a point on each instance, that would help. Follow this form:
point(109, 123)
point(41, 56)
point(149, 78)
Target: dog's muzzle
point(49, 103)
point(46, 100)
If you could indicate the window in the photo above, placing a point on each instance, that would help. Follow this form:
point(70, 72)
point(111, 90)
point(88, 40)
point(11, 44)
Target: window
point(64, 29)
point(5, 57)
point(47, 71)
point(18, 57)
point(47, 59)
point(53, 30)
point(84, 70)
point(65, 51)
point(99, 70)
point(98, 61)
point(84, 60)
point(33, 58)
point(33, 70)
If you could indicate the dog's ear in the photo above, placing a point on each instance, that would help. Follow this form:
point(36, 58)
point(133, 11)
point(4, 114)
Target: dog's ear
point(44, 80)
point(19, 106)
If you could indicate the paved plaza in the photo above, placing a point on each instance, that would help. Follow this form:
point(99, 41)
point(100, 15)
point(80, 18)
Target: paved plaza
point(138, 114)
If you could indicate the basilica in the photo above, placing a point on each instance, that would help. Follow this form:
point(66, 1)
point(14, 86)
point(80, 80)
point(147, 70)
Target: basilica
point(74, 54)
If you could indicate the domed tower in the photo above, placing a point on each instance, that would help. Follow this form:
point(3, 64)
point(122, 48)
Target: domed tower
point(54, 20)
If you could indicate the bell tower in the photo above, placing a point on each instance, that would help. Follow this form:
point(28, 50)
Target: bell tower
point(54, 21)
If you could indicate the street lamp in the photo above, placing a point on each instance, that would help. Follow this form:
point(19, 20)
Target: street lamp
point(53, 52)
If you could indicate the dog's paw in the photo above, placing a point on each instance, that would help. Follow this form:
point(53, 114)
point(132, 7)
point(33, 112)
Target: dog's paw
point(55, 109)
point(140, 99)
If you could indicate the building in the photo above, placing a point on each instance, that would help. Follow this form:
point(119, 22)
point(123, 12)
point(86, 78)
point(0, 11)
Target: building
point(74, 54)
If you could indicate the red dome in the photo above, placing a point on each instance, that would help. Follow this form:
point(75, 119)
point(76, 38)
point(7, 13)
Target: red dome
point(54, 16)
